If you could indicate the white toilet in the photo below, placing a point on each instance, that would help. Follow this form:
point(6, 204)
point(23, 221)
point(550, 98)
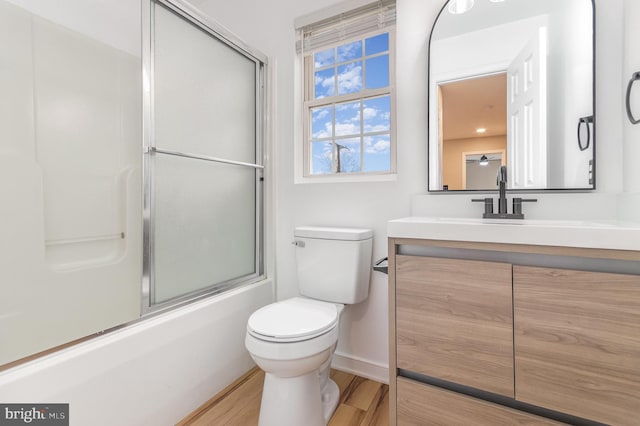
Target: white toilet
point(293, 340)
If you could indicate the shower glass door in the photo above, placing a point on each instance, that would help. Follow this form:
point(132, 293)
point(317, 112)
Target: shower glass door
point(203, 161)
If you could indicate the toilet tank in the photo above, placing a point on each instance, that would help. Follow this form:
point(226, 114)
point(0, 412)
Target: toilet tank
point(334, 264)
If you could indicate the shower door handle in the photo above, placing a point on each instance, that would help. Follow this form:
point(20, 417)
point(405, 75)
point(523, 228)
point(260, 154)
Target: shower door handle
point(635, 77)
point(586, 121)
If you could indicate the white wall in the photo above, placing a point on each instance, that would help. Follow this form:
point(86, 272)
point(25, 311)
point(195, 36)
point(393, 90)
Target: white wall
point(570, 97)
point(363, 338)
point(632, 65)
point(629, 206)
point(602, 203)
point(364, 334)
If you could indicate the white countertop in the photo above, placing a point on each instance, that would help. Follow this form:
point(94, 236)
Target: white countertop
point(563, 233)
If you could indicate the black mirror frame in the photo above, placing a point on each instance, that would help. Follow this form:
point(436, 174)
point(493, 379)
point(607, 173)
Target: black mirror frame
point(592, 121)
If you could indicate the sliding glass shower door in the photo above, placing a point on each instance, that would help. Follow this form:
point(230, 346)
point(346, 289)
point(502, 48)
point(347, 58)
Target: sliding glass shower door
point(203, 161)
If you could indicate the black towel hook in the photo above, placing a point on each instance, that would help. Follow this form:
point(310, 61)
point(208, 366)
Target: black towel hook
point(585, 121)
point(635, 77)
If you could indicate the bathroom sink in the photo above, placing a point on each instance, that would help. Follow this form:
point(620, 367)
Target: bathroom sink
point(528, 222)
point(565, 233)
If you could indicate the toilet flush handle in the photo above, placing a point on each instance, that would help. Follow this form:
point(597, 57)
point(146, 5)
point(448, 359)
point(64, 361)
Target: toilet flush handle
point(298, 243)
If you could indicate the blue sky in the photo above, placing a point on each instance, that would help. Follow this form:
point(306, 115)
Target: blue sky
point(348, 62)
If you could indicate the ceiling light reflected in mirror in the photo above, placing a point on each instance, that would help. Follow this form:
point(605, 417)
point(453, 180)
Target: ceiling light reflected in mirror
point(458, 7)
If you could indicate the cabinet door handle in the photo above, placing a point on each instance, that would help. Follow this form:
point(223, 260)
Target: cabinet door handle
point(635, 77)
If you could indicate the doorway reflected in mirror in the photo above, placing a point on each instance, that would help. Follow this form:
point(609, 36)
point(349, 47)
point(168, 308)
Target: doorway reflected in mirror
point(474, 123)
point(543, 50)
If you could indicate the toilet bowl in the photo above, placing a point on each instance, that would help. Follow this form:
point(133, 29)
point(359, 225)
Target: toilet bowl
point(293, 341)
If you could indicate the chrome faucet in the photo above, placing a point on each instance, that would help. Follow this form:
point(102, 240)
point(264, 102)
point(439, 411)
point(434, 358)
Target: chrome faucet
point(501, 181)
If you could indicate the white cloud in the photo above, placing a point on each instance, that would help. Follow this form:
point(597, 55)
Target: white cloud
point(348, 128)
point(375, 120)
point(380, 117)
point(342, 114)
point(321, 134)
point(323, 58)
point(350, 79)
point(349, 51)
point(347, 107)
point(324, 133)
point(320, 114)
point(380, 147)
point(326, 152)
point(368, 128)
point(328, 83)
point(369, 113)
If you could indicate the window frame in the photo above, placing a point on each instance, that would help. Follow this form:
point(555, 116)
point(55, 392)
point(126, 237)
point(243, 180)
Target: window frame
point(308, 88)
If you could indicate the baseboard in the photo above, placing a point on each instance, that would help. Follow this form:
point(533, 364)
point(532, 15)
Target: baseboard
point(361, 367)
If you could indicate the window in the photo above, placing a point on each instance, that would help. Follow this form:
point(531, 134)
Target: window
point(348, 93)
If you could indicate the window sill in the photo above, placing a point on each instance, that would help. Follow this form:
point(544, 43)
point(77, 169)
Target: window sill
point(382, 177)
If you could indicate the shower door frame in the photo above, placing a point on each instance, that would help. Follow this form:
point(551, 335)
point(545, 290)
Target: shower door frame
point(219, 33)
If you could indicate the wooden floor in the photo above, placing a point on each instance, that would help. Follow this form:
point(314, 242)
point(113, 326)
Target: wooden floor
point(363, 402)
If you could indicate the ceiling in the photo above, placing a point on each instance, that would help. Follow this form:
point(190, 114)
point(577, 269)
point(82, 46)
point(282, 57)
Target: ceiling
point(473, 103)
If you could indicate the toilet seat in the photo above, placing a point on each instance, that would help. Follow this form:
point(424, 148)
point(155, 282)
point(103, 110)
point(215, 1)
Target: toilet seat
point(293, 320)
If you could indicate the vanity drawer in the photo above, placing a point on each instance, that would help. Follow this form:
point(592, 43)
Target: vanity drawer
point(454, 321)
point(421, 404)
point(577, 342)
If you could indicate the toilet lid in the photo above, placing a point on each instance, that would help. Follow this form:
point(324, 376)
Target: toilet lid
point(293, 320)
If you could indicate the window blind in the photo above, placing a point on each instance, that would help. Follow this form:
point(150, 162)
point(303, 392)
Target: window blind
point(366, 19)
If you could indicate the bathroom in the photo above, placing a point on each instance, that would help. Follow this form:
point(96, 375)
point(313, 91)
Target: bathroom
point(159, 370)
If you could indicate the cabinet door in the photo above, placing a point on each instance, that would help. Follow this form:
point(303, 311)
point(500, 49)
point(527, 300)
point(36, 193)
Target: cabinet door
point(454, 321)
point(577, 342)
point(420, 404)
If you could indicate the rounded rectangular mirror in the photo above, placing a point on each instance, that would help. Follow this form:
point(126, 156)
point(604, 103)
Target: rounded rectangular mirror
point(511, 82)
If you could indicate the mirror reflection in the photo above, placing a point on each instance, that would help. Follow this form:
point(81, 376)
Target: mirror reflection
point(512, 81)
point(481, 169)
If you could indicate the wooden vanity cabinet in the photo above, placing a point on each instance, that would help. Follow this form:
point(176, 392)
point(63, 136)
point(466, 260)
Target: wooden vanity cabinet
point(577, 342)
point(481, 342)
point(420, 405)
point(454, 321)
